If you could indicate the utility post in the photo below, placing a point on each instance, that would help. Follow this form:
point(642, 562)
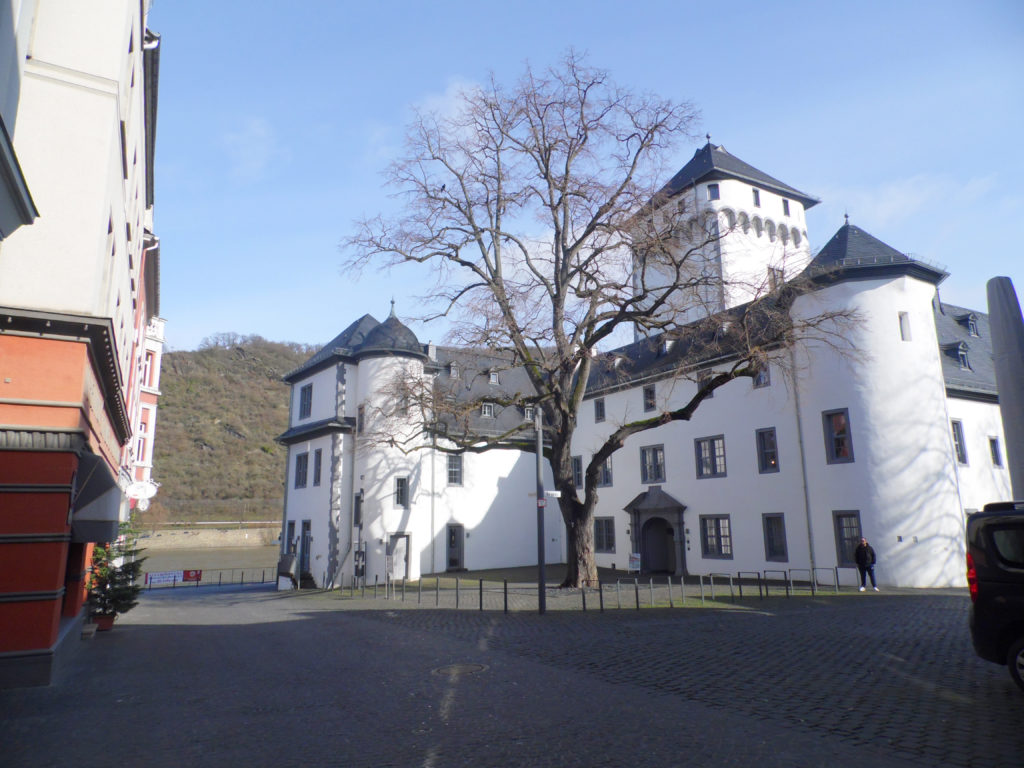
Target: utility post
point(541, 594)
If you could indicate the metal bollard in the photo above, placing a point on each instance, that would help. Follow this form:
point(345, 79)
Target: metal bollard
point(506, 595)
point(652, 591)
point(403, 589)
point(583, 594)
point(636, 587)
point(670, 604)
point(701, 578)
point(375, 577)
point(419, 590)
point(456, 593)
point(481, 594)
point(437, 591)
point(600, 594)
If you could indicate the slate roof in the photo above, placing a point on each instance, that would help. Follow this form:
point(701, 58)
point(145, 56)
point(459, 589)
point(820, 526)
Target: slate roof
point(852, 252)
point(303, 432)
point(473, 385)
point(714, 162)
point(390, 338)
point(365, 337)
point(952, 329)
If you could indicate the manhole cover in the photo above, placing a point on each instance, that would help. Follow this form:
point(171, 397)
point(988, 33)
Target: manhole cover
point(457, 670)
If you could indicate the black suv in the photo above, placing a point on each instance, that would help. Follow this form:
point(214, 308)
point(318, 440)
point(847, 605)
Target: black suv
point(995, 576)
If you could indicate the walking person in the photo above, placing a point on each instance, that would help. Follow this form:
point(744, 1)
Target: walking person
point(864, 556)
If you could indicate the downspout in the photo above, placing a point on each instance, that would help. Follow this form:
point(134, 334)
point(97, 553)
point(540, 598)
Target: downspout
point(287, 464)
point(342, 382)
point(803, 460)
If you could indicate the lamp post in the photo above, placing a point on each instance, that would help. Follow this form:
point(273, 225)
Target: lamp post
point(541, 595)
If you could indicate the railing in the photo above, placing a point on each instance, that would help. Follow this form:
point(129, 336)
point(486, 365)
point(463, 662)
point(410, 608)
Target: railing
point(459, 593)
point(218, 577)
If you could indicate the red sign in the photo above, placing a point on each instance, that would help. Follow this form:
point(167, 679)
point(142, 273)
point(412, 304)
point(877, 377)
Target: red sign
point(191, 575)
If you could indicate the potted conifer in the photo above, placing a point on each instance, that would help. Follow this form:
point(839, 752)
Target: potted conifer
point(114, 582)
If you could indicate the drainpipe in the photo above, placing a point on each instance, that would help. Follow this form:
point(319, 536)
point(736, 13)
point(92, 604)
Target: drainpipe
point(803, 460)
point(287, 466)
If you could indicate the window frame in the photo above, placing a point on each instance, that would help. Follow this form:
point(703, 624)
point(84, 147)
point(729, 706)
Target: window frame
point(604, 474)
point(838, 515)
point(301, 469)
point(402, 496)
point(959, 441)
point(769, 555)
point(599, 410)
point(996, 452)
point(763, 467)
point(904, 321)
point(714, 192)
point(650, 395)
point(832, 456)
point(719, 546)
point(487, 410)
point(757, 196)
point(454, 469)
point(318, 459)
point(785, 207)
point(306, 401)
point(656, 452)
point(604, 542)
point(576, 467)
point(714, 463)
point(763, 378)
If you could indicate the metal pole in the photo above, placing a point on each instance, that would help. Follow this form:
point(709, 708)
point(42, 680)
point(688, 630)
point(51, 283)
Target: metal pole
point(506, 595)
point(541, 576)
point(481, 594)
point(670, 604)
point(600, 593)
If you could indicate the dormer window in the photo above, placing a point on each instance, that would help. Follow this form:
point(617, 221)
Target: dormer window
point(961, 354)
point(970, 322)
point(958, 351)
point(453, 371)
point(713, 193)
point(528, 413)
point(664, 347)
point(487, 410)
point(493, 377)
point(757, 197)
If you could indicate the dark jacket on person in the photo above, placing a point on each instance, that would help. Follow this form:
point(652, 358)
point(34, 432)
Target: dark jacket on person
point(864, 556)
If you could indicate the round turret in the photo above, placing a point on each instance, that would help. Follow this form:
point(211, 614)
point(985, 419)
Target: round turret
point(391, 338)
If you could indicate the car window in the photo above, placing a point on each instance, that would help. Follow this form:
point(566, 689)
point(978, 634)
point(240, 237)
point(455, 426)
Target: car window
point(1009, 543)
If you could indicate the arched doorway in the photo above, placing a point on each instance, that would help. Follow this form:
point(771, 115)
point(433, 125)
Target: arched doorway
point(657, 542)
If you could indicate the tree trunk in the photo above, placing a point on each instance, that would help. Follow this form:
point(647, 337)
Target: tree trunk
point(580, 571)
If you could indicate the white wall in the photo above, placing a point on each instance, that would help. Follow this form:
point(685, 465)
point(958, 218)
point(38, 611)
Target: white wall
point(981, 482)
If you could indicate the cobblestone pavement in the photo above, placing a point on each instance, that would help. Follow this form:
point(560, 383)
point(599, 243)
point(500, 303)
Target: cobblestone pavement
point(260, 678)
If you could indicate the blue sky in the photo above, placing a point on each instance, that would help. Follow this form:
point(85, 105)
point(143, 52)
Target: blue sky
point(277, 118)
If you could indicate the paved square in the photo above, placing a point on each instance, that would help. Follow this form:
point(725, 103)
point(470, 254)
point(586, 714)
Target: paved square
point(260, 678)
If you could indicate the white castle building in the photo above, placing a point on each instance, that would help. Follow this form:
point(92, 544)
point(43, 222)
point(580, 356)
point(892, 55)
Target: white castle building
point(897, 441)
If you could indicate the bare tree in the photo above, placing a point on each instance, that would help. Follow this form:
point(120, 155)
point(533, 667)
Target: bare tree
point(536, 205)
